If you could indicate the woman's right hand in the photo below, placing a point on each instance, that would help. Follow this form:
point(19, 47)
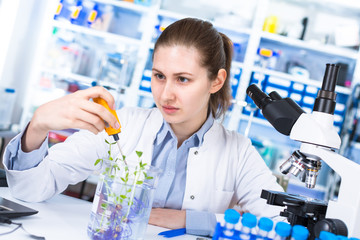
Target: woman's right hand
point(71, 111)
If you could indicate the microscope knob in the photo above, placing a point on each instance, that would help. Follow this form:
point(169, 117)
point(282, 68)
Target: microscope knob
point(335, 226)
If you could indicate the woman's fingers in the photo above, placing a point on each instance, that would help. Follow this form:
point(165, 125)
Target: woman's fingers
point(99, 92)
point(101, 112)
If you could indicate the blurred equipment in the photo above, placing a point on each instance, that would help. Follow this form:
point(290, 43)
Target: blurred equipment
point(7, 102)
point(271, 24)
point(342, 79)
point(297, 69)
point(267, 58)
point(304, 23)
point(318, 138)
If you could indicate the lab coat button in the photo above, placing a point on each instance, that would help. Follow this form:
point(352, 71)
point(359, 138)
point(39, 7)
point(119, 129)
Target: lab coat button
point(196, 152)
point(192, 197)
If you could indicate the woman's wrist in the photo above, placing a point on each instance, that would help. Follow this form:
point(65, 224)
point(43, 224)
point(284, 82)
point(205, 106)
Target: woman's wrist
point(34, 136)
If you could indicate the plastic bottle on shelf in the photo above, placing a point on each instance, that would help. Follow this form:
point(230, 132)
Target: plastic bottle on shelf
point(299, 233)
point(7, 102)
point(59, 9)
point(231, 218)
point(265, 225)
point(282, 231)
point(248, 222)
point(78, 13)
point(93, 14)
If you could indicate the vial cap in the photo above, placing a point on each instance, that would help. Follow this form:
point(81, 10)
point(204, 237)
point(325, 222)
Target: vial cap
point(249, 220)
point(265, 224)
point(9, 90)
point(324, 235)
point(232, 216)
point(283, 229)
point(299, 232)
point(341, 237)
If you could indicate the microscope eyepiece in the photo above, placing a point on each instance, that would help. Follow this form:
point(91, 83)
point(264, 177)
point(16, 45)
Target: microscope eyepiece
point(326, 98)
point(259, 97)
point(282, 113)
point(330, 77)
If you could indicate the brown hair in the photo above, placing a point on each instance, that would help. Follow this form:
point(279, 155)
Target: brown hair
point(215, 49)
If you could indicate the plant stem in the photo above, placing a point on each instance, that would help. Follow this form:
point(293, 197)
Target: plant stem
point(133, 192)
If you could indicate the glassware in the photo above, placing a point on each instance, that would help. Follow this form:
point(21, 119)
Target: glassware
point(123, 200)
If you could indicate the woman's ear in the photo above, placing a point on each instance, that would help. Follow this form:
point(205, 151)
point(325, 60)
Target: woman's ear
point(217, 84)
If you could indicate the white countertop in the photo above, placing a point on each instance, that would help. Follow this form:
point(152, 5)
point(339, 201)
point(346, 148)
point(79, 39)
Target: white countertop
point(61, 217)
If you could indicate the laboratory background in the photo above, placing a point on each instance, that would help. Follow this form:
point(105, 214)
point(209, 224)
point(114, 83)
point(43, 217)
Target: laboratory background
point(50, 48)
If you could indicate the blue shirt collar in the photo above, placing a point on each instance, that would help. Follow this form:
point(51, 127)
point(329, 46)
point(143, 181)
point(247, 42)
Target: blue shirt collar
point(198, 136)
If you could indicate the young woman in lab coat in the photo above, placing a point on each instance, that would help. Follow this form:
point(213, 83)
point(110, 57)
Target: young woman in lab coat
point(206, 168)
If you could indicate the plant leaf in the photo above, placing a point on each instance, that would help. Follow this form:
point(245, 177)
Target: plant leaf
point(97, 161)
point(139, 153)
point(139, 182)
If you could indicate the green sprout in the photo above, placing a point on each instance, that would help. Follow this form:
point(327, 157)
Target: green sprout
point(127, 194)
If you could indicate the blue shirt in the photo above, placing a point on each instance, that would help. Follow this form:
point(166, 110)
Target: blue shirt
point(166, 156)
point(171, 187)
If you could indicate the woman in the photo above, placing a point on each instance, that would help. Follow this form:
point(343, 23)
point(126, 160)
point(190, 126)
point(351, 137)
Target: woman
point(206, 168)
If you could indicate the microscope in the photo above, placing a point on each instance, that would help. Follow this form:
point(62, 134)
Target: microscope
point(319, 140)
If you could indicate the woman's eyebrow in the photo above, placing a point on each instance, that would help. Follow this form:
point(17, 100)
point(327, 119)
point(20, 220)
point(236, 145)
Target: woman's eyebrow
point(175, 74)
point(183, 73)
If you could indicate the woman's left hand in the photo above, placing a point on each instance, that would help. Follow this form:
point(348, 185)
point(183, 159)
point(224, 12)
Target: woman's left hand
point(168, 218)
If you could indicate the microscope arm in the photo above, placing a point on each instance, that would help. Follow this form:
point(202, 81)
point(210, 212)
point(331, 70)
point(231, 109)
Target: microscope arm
point(347, 206)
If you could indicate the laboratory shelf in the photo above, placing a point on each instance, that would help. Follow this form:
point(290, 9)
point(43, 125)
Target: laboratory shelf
point(237, 64)
point(312, 82)
point(88, 81)
point(91, 32)
point(145, 93)
point(124, 4)
point(219, 26)
point(316, 47)
point(255, 120)
point(172, 15)
point(77, 77)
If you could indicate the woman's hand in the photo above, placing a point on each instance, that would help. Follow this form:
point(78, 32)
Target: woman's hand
point(168, 218)
point(71, 111)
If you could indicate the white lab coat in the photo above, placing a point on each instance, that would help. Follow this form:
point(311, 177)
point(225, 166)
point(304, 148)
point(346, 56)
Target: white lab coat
point(224, 171)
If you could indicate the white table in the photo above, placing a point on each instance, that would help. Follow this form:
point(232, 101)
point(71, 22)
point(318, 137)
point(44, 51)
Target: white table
point(61, 217)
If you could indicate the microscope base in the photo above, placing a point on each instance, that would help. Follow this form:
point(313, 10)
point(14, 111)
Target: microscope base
point(348, 214)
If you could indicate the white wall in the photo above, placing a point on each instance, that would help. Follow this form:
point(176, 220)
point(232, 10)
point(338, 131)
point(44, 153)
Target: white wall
point(23, 33)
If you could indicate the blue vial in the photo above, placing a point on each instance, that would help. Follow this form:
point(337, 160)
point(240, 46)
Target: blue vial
point(231, 218)
point(299, 233)
point(282, 231)
point(324, 235)
point(341, 237)
point(265, 226)
point(248, 222)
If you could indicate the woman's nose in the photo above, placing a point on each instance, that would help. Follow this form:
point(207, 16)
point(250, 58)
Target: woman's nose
point(168, 91)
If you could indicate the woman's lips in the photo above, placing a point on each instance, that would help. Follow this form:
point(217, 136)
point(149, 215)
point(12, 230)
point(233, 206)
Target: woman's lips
point(170, 109)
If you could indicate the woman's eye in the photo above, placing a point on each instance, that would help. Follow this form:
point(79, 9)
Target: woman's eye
point(183, 80)
point(159, 76)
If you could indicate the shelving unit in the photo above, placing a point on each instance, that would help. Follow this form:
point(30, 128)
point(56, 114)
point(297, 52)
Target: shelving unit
point(249, 38)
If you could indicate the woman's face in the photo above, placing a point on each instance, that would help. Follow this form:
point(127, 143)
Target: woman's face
point(180, 86)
